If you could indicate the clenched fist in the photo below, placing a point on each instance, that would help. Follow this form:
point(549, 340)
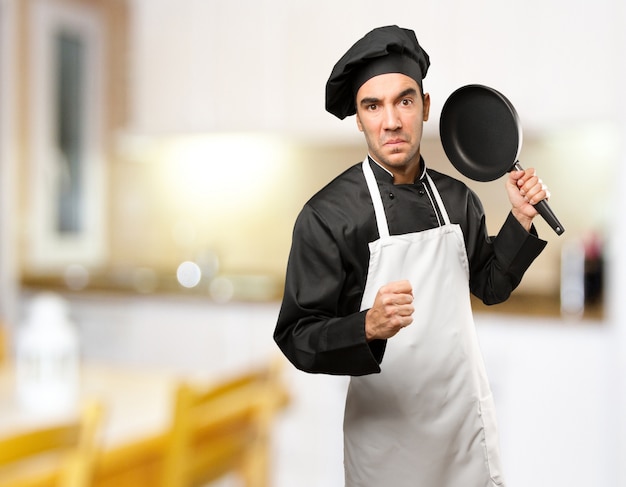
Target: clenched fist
point(392, 310)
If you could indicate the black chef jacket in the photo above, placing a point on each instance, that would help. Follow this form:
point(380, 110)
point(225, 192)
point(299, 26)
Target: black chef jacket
point(320, 328)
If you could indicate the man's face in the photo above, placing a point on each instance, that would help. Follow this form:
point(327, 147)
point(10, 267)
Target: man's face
point(390, 112)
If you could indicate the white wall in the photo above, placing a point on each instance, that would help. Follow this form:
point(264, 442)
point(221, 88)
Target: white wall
point(617, 274)
point(554, 388)
point(617, 323)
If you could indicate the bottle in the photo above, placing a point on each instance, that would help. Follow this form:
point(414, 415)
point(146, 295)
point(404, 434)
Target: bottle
point(572, 279)
point(47, 357)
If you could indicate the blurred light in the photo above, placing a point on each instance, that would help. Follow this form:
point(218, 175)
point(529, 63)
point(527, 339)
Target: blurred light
point(200, 170)
point(145, 280)
point(188, 274)
point(76, 277)
point(209, 263)
point(221, 289)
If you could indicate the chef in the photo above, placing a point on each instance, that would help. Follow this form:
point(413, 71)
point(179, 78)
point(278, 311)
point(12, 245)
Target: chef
point(382, 264)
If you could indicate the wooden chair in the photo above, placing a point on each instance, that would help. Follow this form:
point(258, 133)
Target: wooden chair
point(224, 428)
point(59, 455)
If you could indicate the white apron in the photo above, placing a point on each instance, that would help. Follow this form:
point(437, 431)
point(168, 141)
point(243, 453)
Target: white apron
point(427, 420)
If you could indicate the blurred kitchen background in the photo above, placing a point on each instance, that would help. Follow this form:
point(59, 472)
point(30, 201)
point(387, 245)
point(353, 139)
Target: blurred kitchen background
point(155, 154)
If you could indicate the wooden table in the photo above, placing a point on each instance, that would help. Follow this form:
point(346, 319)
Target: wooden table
point(137, 407)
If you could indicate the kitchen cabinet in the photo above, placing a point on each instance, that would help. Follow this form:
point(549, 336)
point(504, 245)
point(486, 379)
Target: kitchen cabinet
point(262, 66)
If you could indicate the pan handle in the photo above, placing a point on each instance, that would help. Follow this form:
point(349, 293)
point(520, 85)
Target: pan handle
point(543, 208)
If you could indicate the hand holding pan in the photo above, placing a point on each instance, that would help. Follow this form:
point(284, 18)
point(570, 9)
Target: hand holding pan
point(482, 136)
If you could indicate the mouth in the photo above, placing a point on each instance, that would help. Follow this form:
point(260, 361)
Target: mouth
point(394, 144)
point(395, 140)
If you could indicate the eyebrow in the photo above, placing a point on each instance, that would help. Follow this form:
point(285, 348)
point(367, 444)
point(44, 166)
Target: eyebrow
point(408, 91)
point(374, 100)
point(369, 101)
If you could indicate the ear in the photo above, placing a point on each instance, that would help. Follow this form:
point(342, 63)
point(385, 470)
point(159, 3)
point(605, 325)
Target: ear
point(426, 103)
point(358, 123)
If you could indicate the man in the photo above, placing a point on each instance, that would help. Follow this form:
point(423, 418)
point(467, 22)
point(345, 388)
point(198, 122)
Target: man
point(382, 263)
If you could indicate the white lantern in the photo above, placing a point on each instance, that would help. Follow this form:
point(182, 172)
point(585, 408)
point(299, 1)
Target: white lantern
point(47, 357)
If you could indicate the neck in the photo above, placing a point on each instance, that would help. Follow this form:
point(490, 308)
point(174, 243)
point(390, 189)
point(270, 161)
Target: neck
point(406, 175)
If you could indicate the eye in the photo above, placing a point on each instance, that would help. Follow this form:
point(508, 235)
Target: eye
point(372, 107)
point(406, 102)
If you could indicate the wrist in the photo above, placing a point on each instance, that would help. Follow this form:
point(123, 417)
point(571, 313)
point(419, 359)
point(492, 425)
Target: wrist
point(524, 220)
point(369, 336)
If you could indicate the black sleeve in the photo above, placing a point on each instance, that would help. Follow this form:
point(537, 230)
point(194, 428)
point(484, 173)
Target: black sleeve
point(497, 264)
point(312, 330)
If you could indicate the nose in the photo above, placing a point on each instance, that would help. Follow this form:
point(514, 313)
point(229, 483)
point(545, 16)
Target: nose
point(392, 119)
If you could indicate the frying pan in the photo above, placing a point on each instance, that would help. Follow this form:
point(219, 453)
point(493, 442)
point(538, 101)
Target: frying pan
point(482, 136)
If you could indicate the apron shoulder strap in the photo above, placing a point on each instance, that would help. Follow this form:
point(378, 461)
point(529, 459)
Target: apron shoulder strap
point(379, 209)
point(438, 201)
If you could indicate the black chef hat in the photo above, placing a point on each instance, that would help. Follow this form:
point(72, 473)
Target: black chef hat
point(389, 49)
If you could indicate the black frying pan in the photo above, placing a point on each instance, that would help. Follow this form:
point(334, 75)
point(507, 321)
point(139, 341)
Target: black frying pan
point(482, 136)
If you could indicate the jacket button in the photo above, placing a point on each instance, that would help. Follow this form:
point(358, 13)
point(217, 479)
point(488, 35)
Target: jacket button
point(391, 196)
